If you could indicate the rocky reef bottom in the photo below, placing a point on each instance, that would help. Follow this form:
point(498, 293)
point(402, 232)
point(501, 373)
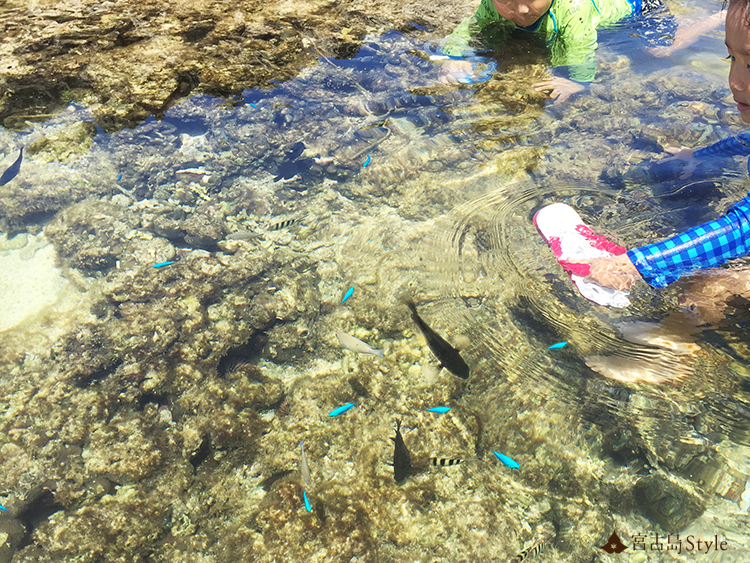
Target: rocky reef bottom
point(198, 267)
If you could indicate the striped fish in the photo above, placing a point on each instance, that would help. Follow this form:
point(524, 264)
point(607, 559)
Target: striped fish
point(282, 224)
point(545, 535)
point(303, 467)
point(444, 462)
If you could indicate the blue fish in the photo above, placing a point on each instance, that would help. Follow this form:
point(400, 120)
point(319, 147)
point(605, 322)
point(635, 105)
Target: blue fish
point(512, 463)
point(348, 294)
point(439, 409)
point(557, 346)
point(12, 170)
point(119, 177)
point(162, 264)
point(367, 161)
point(3, 508)
point(307, 502)
point(343, 408)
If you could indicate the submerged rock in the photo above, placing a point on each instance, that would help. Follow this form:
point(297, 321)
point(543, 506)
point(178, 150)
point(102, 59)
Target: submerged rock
point(670, 502)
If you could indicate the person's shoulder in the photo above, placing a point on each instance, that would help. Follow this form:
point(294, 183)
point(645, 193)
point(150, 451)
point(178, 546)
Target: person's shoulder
point(568, 8)
point(487, 11)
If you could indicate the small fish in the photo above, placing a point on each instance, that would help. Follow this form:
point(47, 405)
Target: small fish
point(3, 508)
point(253, 105)
point(269, 481)
point(282, 224)
point(343, 408)
point(448, 356)
point(348, 294)
point(401, 457)
point(162, 264)
point(12, 170)
point(367, 161)
point(307, 502)
point(557, 346)
point(443, 462)
point(545, 533)
point(119, 178)
point(242, 235)
point(513, 464)
point(303, 467)
point(356, 345)
point(439, 409)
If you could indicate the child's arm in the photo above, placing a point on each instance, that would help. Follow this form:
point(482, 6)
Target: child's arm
point(572, 37)
point(739, 145)
point(706, 246)
point(688, 32)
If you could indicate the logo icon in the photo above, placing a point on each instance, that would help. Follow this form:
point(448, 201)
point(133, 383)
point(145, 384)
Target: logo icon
point(614, 544)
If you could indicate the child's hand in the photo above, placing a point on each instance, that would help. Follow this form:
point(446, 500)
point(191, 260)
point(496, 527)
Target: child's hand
point(559, 89)
point(617, 272)
point(452, 71)
point(684, 154)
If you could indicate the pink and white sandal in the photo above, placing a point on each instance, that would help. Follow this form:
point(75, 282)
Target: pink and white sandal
point(573, 241)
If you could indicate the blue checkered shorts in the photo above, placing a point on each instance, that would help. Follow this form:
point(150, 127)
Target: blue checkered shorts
point(706, 246)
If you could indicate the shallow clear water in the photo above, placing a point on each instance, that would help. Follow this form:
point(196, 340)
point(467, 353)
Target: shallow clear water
point(183, 390)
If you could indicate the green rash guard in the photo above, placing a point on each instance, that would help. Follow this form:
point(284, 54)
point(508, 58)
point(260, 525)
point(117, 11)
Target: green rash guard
point(569, 27)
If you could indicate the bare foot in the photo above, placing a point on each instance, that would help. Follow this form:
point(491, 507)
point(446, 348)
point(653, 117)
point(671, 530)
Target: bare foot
point(646, 366)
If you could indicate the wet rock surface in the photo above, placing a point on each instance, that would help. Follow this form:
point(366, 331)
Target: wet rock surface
point(128, 59)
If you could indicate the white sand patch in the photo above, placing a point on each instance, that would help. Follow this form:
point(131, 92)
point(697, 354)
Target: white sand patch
point(29, 280)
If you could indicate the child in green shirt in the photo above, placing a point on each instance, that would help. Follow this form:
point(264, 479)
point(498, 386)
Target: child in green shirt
point(570, 31)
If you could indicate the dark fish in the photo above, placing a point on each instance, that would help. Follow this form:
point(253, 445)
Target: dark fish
point(401, 457)
point(545, 533)
point(295, 151)
point(12, 170)
point(268, 481)
point(446, 354)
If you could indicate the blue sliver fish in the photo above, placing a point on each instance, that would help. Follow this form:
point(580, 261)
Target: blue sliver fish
point(348, 294)
point(512, 463)
point(557, 346)
point(307, 502)
point(439, 409)
point(343, 408)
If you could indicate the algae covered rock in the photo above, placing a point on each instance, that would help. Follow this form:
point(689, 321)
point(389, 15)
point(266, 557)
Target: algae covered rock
point(64, 144)
point(670, 502)
point(133, 60)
